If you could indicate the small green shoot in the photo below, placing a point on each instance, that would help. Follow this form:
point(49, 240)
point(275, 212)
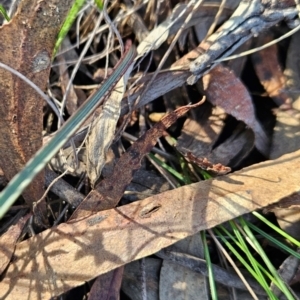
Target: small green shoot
point(205, 174)
point(185, 170)
point(167, 167)
point(212, 283)
point(99, 4)
point(4, 13)
point(68, 23)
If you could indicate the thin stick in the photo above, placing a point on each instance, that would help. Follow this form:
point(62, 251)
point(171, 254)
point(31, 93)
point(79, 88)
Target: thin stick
point(35, 87)
point(225, 253)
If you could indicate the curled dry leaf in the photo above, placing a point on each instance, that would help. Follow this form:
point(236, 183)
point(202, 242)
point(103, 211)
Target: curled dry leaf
point(248, 20)
point(26, 44)
point(206, 165)
point(110, 190)
point(224, 89)
point(202, 130)
point(103, 130)
point(170, 26)
point(142, 228)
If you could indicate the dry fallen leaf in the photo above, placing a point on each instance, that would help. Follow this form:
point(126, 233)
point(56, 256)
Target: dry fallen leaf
point(269, 71)
point(132, 279)
point(199, 267)
point(107, 286)
point(224, 89)
point(109, 191)
point(178, 282)
point(56, 259)
point(103, 130)
point(202, 130)
point(287, 270)
point(8, 241)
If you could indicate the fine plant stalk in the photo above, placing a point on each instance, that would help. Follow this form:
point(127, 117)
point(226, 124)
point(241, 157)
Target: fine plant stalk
point(18, 184)
point(68, 23)
point(254, 263)
point(184, 168)
point(234, 251)
point(278, 230)
point(225, 253)
point(254, 269)
point(4, 13)
point(274, 240)
point(167, 167)
point(266, 260)
point(211, 278)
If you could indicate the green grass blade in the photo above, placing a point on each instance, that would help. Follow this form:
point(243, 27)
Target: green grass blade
point(234, 251)
point(17, 185)
point(212, 283)
point(4, 13)
point(68, 23)
point(167, 167)
point(99, 4)
point(254, 268)
point(274, 240)
point(281, 285)
point(185, 170)
point(278, 230)
point(252, 260)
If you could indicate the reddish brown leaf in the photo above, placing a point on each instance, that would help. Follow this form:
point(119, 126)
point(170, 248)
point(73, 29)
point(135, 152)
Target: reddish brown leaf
point(26, 44)
point(107, 286)
point(269, 71)
point(110, 190)
point(8, 242)
point(202, 130)
point(206, 165)
point(224, 89)
point(198, 136)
